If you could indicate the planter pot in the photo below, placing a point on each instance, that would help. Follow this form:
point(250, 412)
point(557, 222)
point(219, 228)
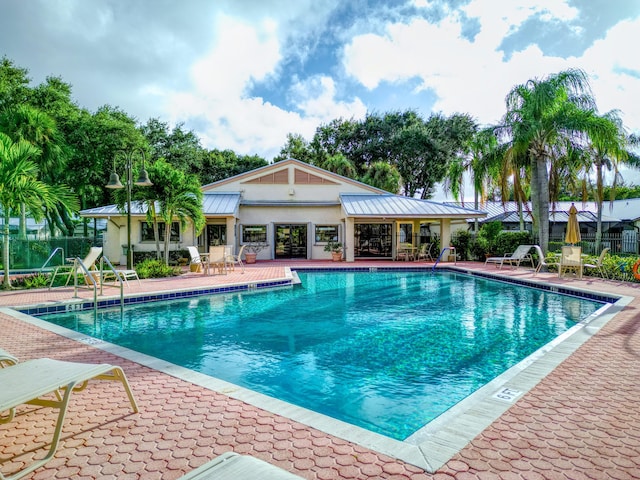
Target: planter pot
point(336, 256)
point(250, 257)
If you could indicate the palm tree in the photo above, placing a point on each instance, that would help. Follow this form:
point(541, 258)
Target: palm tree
point(19, 185)
point(482, 161)
point(606, 152)
point(35, 126)
point(543, 116)
point(181, 198)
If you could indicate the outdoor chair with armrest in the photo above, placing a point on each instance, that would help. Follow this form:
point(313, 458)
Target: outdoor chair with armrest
point(195, 262)
point(598, 265)
point(217, 259)
point(232, 259)
point(570, 260)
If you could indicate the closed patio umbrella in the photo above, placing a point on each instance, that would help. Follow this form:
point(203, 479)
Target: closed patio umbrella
point(573, 229)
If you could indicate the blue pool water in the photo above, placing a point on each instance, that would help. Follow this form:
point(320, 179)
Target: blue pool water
point(387, 351)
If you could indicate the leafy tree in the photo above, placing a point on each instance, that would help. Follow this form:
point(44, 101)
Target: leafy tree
point(178, 147)
point(14, 84)
point(19, 185)
point(297, 147)
point(384, 176)
point(339, 164)
point(419, 150)
point(221, 164)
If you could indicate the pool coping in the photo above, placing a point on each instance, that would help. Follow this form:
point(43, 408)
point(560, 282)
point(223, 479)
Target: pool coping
point(433, 445)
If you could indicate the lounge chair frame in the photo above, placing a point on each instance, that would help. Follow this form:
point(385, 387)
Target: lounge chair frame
point(28, 382)
point(521, 254)
point(231, 466)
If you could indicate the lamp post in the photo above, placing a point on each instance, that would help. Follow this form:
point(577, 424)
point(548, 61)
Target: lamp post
point(114, 183)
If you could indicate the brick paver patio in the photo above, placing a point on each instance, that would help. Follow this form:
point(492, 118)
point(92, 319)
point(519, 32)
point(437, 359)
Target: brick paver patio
point(581, 421)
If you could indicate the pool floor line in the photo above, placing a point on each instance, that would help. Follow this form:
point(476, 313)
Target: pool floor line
point(435, 445)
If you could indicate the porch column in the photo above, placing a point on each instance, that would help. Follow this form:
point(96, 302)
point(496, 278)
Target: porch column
point(445, 236)
point(416, 232)
point(349, 235)
point(231, 232)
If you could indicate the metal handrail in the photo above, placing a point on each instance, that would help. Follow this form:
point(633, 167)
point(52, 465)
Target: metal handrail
point(451, 249)
point(78, 264)
point(104, 260)
point(56, 250)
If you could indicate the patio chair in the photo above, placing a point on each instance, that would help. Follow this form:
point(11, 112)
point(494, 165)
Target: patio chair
point(425, 252)
point(195, 263)
point(232, 466)
point(217, 259)
point(232, 259)
point(598, 265)
point(570, 261)
point(30, 381)
point(542, 261)
point(514, 259)
point(72, 269)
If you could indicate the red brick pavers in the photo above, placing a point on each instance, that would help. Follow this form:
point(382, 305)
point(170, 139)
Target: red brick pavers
point(582, 421)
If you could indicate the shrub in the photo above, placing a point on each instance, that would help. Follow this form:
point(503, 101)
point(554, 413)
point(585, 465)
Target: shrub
point(156, 269)
point(507, 242)
point(463, 242)
point(36, 280)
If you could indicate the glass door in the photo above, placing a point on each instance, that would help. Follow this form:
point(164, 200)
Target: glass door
point(291, 241)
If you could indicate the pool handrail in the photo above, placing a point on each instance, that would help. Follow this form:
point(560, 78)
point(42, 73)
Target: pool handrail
point(55, 250)
point(451, 249)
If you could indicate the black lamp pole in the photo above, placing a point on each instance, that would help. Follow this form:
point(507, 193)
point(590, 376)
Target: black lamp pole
point(114, 183)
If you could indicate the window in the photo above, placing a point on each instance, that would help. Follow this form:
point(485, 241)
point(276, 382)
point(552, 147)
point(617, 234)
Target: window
point(254, 233)
point(326, 233)
point(147, 231)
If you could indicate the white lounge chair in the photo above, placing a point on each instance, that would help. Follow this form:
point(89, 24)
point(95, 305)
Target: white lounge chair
point(72, 269)
point(521, 254)
point(570, 261)
point(195, 264)
point(231, 466)
point(28, 382)
point(6, 359)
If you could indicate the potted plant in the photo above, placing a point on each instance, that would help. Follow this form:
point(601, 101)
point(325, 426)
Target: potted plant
point(336, 249)
point(251, 251)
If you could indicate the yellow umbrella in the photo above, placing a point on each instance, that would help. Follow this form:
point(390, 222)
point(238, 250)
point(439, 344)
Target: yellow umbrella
point(573, 229)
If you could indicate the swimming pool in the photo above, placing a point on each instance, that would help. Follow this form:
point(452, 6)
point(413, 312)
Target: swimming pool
point(387, 351)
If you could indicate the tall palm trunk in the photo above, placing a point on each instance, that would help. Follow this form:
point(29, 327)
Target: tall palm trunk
point(540, 198)
point(5, 250)
point(599, 194)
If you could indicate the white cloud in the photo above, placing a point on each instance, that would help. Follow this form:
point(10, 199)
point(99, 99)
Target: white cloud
point(473, 76)
point(241, 54)
point(316, 98)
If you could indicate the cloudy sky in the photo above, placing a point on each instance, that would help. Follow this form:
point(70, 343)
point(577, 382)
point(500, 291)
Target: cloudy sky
point(244, 73)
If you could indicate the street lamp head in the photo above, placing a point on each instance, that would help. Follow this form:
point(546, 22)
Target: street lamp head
point(143, 179)
point(114, 181)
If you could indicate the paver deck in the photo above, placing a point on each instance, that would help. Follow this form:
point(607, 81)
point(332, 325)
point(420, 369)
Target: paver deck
point(581, 421)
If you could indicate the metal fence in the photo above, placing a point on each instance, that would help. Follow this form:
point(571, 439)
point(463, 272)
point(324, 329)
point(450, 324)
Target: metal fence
point(624, 243)
point(29, 254)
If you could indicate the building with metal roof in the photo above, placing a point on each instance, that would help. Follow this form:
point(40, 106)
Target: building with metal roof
point(293, 209)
